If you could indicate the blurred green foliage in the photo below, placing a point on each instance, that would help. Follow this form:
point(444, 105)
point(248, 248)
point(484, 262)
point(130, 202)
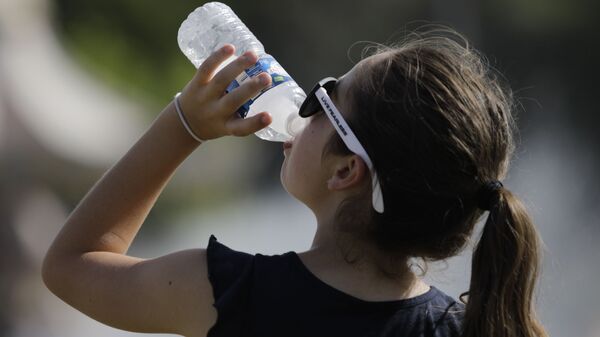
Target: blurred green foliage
point(131, 45)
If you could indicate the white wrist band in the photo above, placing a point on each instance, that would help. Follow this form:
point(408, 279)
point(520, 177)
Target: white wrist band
point(183, 120)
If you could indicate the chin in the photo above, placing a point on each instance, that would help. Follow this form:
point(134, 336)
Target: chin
point(286, 187)
point(282, 175)
point(282, 179)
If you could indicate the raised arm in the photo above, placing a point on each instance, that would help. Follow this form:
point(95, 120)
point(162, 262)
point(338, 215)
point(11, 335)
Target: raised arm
point(86, 265)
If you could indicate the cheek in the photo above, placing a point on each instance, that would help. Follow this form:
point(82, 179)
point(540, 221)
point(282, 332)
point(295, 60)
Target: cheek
point(300, 170)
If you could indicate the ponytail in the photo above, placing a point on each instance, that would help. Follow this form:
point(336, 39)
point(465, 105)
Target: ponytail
point(504, 272)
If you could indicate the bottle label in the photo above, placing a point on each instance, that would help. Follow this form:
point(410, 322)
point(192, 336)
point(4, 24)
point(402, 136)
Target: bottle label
point(266, 64)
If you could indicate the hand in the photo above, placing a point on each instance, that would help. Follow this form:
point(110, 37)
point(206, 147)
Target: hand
point(210, 111)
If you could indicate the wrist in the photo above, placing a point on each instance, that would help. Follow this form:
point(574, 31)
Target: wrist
point(184, 120)
point(167, 134)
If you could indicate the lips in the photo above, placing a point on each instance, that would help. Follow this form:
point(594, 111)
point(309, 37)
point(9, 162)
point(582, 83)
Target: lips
point(286, 147)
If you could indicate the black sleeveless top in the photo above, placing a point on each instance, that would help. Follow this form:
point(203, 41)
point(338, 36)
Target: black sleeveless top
point(277, 296)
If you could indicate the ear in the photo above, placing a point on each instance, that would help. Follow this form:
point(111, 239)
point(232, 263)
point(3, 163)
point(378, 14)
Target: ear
point(348, 172)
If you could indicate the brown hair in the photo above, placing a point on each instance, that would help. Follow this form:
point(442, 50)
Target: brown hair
point(437, 123)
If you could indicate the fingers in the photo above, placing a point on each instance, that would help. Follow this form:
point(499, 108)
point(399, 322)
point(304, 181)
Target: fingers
point(224, 77)
point(207, 69)
point(210, 86)
point(240, 95)
point(247, 126)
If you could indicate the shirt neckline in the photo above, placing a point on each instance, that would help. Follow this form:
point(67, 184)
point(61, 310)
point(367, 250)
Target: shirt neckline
point(402, 303)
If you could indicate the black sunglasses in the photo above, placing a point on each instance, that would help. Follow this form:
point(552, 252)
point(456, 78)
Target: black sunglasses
point(311, 104)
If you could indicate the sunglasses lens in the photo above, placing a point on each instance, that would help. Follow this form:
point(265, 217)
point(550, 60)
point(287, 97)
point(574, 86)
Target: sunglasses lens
point(328, 86)
point(310, 106)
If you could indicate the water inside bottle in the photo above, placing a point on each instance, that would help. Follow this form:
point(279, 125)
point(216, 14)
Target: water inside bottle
point(283, 104)
point(294, 126)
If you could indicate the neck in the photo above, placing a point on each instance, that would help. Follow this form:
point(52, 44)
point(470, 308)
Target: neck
point(329, 255)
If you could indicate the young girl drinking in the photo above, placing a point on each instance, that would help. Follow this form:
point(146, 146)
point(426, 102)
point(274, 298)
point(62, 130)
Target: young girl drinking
point(401, 156)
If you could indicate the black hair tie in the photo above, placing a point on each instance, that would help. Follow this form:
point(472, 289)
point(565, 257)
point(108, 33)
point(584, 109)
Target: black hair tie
point(488, 195)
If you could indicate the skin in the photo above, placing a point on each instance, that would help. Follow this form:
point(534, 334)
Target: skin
point(87, 266)
point(322, 185)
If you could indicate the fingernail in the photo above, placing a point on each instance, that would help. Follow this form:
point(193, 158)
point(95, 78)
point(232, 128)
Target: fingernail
point(263, 79)
point(226, 48)
point(265, 119)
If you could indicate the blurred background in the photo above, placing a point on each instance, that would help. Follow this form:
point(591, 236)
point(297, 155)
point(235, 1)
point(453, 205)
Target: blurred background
point(81, 80)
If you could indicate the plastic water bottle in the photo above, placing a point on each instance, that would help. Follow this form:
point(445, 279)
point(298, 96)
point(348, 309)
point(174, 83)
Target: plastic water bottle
point(213, 25)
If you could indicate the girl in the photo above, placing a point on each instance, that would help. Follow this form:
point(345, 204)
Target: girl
point(401, 156)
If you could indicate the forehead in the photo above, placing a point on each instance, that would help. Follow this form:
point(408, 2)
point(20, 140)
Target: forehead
point(345, 81)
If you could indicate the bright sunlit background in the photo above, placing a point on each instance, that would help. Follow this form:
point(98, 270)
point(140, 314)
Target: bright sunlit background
point(81, 80)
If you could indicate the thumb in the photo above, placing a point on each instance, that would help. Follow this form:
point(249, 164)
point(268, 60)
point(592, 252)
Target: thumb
point(245, 126)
